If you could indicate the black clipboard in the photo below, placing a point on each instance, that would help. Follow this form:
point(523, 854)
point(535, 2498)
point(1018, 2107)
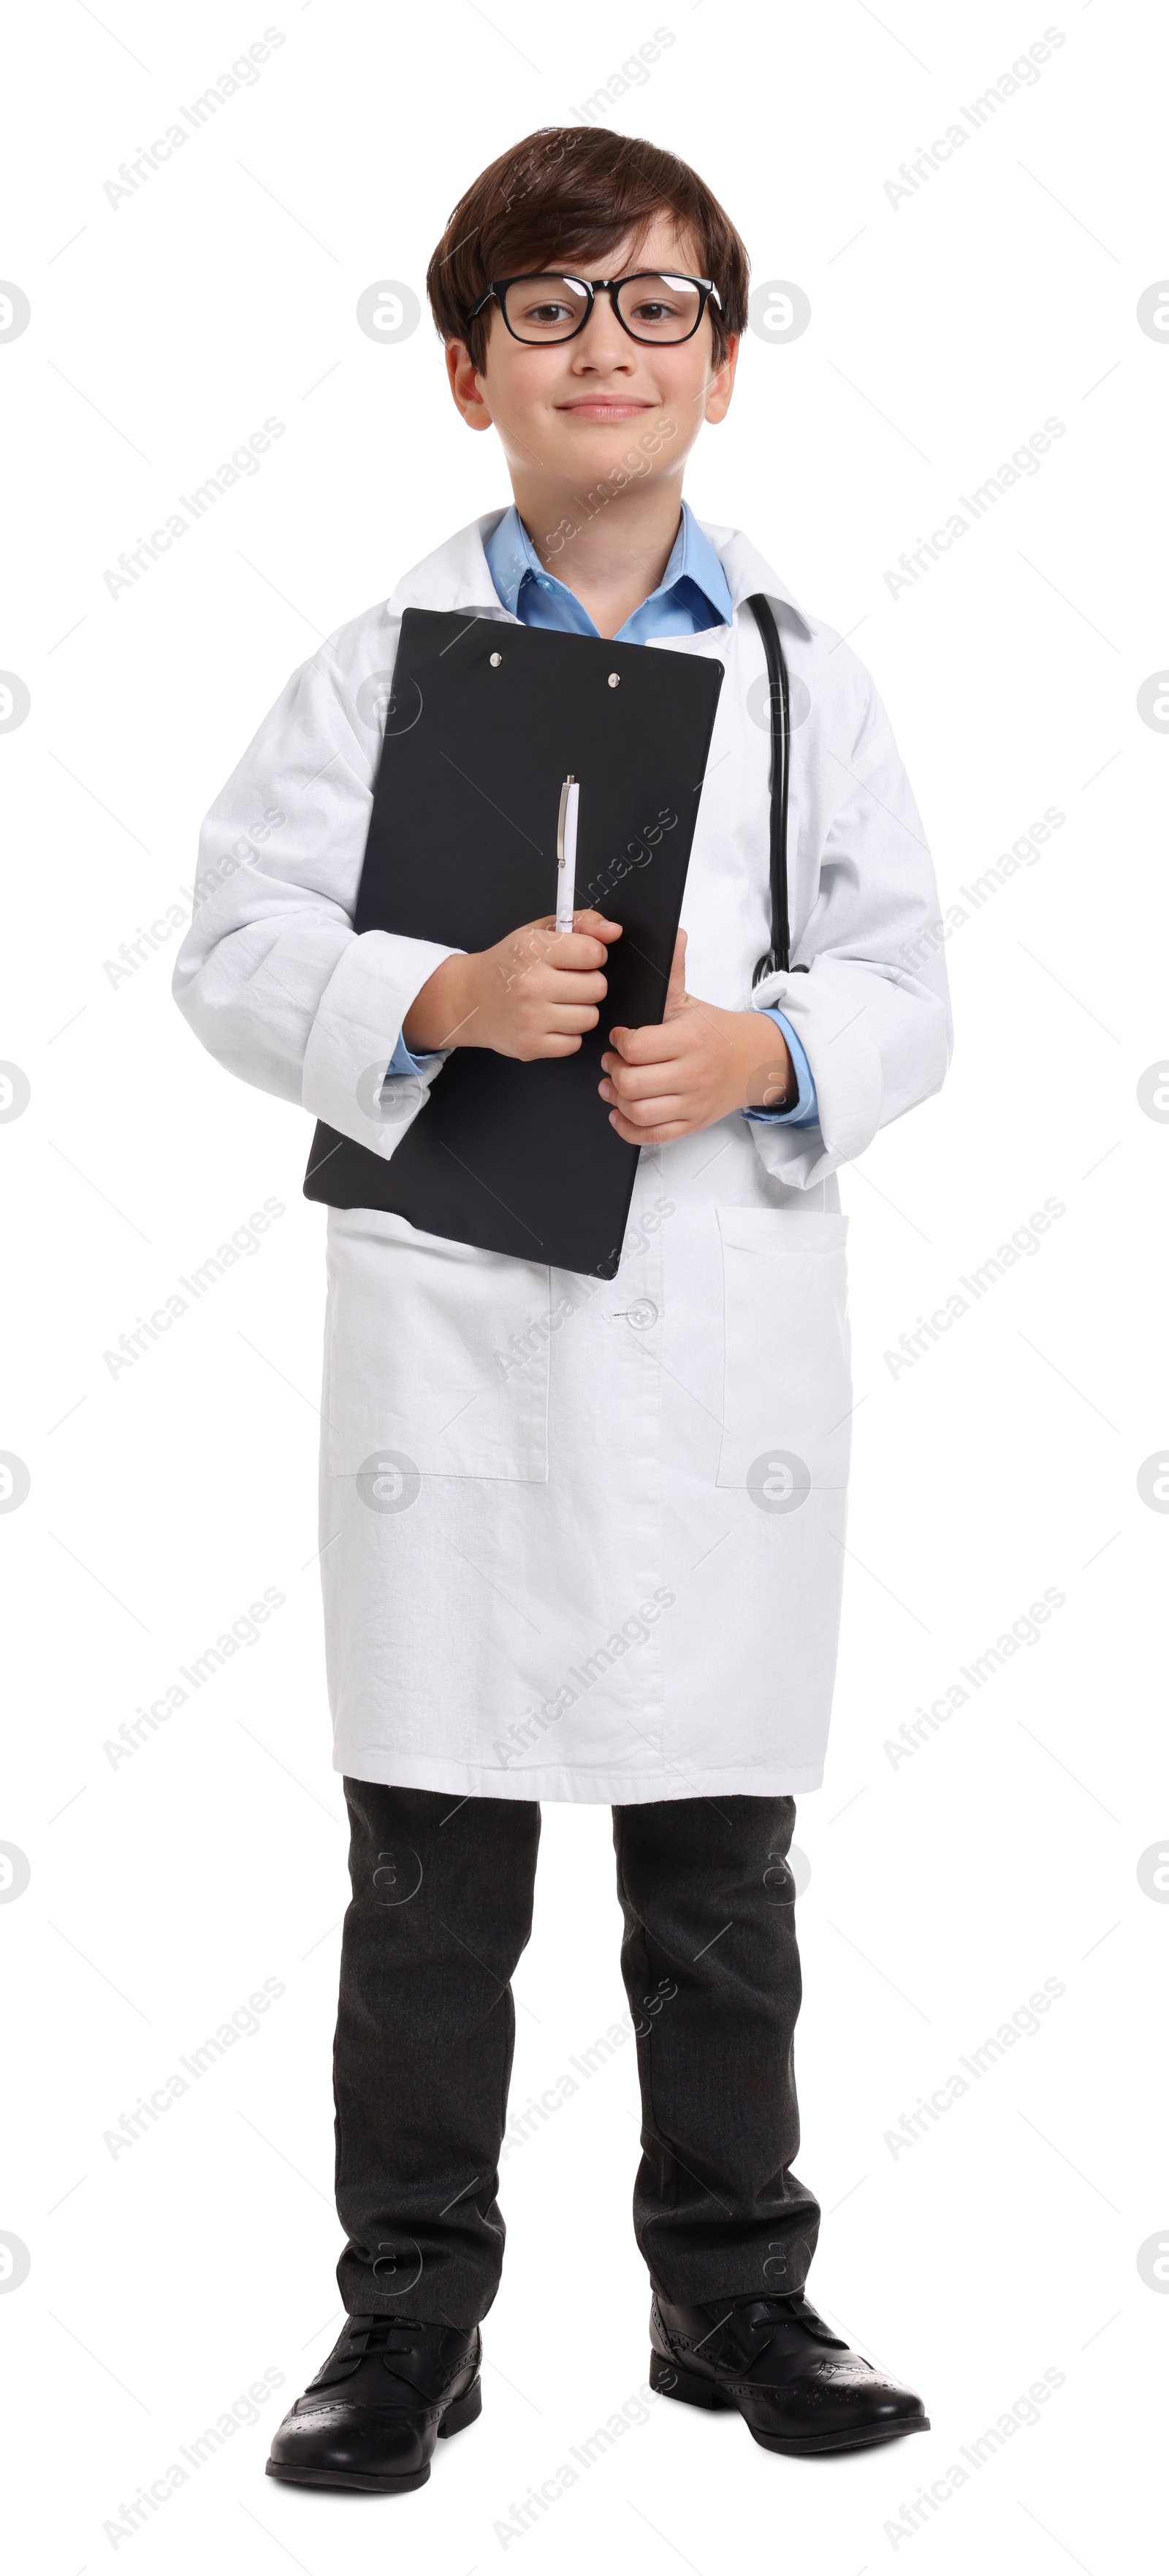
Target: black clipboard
point(484, 723)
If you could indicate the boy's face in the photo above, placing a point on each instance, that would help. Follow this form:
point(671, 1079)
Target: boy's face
point(570, 412)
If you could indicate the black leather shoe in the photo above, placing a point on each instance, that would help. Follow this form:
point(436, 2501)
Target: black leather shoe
point(390, 2389)
point(797, 2386)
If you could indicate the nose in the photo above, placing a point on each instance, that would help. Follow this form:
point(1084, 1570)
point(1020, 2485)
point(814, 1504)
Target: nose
point(602, 345)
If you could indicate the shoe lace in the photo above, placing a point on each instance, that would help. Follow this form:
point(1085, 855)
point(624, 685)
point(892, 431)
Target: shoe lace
point(369, 2337)
point(776, 2307)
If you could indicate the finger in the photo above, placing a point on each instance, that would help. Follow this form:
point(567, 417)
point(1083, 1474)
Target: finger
point(574, 949)
point(597, 924)
point(568, 1015)
point(541, 980)
point(564, 984)
point(586, 943)
point(677, 984)
point(588, 928)
point(664, 1135)
point(655, 1044)
point(655, 1111)
point(642, 1082)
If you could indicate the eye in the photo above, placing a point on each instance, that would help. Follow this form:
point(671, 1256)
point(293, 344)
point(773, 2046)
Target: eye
point(664, 306)
point(547, 306)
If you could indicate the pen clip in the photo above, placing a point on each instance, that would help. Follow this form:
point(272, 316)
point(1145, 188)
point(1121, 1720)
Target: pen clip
point(562, 819)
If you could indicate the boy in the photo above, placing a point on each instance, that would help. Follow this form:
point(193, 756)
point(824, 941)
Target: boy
point(580, 1539)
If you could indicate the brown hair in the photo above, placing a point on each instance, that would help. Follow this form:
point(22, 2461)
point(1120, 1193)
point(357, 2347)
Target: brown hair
point(565, 190)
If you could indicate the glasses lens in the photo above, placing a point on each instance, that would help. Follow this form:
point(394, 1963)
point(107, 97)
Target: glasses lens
point(659, 308)
point(546, 308)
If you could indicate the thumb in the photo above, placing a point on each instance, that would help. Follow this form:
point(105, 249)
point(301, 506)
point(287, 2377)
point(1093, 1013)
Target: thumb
point(676, 994)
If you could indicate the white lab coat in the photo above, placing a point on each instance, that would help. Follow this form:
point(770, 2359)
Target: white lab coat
point(584, 1539)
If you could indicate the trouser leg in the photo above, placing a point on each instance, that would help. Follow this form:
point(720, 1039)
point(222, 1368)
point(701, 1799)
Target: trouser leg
point(440, 1912)
point(712, 1972)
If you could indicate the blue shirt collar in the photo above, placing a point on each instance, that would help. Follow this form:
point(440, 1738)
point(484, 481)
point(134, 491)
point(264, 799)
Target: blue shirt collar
point(513, 561)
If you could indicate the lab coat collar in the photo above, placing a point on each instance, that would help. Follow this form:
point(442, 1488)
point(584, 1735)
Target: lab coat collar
point(747, 571)
point(457, 574)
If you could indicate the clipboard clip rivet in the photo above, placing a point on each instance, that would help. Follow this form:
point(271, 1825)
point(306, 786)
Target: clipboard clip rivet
point(614, 679)
point(496, 659)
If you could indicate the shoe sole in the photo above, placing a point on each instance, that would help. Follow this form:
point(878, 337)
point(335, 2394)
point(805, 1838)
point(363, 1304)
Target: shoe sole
point(689, 2390)
point(463, 2412)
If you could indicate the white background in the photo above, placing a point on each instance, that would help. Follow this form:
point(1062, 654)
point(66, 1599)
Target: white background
point(945, 1886)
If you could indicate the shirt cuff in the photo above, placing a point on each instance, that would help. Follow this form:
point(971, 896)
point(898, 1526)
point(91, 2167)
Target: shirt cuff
point(804, 1111)
point(402, 1061)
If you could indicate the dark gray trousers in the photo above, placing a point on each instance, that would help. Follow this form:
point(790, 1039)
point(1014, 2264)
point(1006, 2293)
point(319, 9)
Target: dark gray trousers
point(440, 1912)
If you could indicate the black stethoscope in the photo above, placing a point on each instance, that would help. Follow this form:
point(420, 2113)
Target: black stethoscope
point(777, 958)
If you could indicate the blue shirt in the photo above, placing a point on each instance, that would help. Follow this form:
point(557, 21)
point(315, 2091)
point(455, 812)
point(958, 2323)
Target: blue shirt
point(691, 596)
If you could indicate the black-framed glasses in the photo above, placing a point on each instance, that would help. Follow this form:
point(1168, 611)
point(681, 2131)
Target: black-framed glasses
point(551, 305)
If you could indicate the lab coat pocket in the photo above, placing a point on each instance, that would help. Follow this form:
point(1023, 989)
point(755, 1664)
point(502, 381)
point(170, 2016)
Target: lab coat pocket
point(787, 1391)
point(436, 1359)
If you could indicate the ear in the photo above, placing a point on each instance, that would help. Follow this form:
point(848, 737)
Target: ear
point(466, 386)
point(722, 382)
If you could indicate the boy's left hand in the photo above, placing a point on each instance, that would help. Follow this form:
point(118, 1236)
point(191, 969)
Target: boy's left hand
point(697, 1067)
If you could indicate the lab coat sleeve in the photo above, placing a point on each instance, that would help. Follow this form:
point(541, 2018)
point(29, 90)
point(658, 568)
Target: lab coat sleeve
point(271, 975)
point(872, 1012)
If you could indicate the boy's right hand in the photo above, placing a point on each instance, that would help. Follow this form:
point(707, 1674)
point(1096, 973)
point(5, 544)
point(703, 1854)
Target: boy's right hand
point(533, 994)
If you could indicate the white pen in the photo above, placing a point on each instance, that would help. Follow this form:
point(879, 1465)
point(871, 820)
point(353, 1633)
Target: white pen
point(566, 854)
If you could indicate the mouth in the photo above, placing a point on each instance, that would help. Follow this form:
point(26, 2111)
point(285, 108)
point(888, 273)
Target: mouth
point(605, 407)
